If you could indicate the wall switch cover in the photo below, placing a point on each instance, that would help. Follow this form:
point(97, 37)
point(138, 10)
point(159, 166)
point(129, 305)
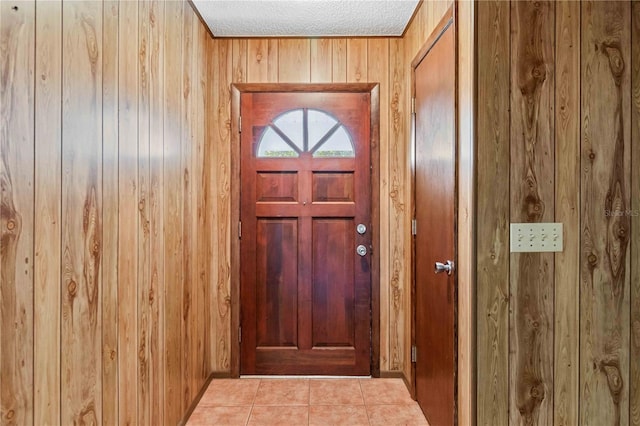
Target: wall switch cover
point(535, 237)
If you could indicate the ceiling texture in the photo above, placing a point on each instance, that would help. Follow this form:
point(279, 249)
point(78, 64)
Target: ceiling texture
point(306, 18)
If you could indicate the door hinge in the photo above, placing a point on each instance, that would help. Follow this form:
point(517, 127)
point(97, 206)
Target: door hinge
point(239, 230)
point(414, 353)
point(414, 227)
point(413, 105)
point(240, 124)
point(239, 334)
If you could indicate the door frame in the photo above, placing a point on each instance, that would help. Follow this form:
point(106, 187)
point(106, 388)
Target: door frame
point(448, 20)
point(234, 186)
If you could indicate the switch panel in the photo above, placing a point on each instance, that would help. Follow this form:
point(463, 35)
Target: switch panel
point(536, 237)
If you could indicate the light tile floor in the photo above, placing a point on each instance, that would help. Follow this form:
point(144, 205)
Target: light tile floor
point(352, 402)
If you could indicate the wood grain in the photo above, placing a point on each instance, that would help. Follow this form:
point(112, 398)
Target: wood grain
point(143, 226)
point(47, 231)
point(466, 212)
point(110, 164)
point(605, 190)
point(262, 60)
point(222, 108)
point(81, 214)
point(339, 60)
point(321, 61)
point(128, 213)
point(567, 208)
point(295, 69)
point(17, 214)
point(155, 296)
point(356, 60)
point(239, 47)
point(378, 71)
point(188, 236)
point(532, 200)
point(172, 211)
point(204, 224)
point(397, 209)
point(634, 352)
point(492, 269)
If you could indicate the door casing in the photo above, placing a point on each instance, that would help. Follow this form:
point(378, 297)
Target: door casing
point(234, 183)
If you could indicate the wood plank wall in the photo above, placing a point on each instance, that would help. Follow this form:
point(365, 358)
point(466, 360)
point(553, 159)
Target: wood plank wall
point(106, 244)
point(557, 333)
point(320, 60)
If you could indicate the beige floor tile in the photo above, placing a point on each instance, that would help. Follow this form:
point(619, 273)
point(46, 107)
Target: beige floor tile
point(347, 415)
point(283, 392)
point(402, 414)
point(279, 415)
point(335, 392)
point(228, 416)
point(385, 391)
point(226, 392)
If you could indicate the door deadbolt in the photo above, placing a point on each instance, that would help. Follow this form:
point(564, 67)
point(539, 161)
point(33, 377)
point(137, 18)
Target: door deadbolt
point(361, 250)
point(361, 228)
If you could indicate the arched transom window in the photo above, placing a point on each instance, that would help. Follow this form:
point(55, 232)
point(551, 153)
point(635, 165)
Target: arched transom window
point(305, 130)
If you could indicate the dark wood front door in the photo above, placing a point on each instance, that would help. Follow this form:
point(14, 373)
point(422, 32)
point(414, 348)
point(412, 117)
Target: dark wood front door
point(435, 194)
point(306, 186)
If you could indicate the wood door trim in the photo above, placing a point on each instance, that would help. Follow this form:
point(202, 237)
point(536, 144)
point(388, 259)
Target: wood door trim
point(448, 20)
point(234, 182)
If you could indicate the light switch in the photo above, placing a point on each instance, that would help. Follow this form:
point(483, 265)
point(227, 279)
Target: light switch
point(536, 237)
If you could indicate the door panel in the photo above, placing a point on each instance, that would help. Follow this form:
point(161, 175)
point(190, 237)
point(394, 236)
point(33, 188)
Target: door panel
point(305, 293)
point(435, 195)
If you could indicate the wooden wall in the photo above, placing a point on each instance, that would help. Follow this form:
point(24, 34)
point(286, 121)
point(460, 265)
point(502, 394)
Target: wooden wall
point(105, 249)
point(321, 60)
point(558, 333)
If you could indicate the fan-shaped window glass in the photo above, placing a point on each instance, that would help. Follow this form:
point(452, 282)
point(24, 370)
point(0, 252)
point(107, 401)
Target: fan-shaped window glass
point(272, 145)
point(305, 130)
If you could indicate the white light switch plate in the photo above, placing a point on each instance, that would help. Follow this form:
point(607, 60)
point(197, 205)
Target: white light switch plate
point(536, 237)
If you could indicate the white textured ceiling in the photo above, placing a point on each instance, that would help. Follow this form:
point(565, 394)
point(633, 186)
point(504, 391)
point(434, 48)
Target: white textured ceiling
point(305, 18)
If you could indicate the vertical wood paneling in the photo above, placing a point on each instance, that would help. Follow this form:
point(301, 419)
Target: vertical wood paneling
point(144, 238)
point(103, 133)
point(605, 202)
point(155, 296)
point(109, 213)
point(567, 271)
point(356, 60)
point(239, 47)
point(532, 200)
point(339, 60)
point(221, 138)
point(634, 353)
point(202, 276)
point(16, 214)
point(262, 60)
point(187, 210)
point(398, 119)
point(47, 231)
point(492, 270)
point(172, 198)
point(81, 213)
point(128, 213)
point(378, 71)
point(194, 179)
point(295, 69)
point(321, 63)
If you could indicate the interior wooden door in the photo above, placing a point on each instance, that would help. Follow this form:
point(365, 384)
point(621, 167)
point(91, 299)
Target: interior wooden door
point(305, 263)
point(435, 195)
